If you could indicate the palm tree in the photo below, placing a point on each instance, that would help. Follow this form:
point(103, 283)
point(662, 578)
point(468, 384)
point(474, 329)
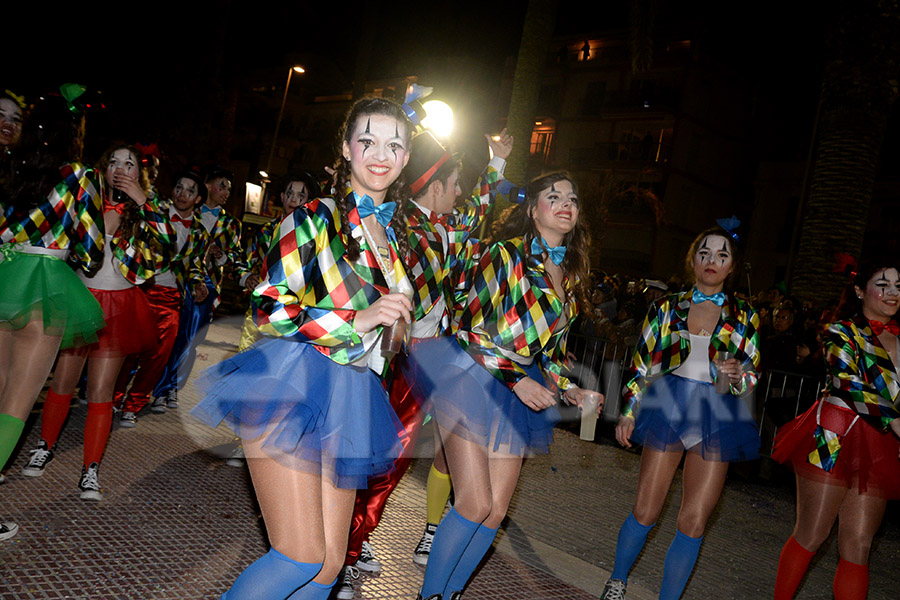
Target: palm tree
point(859, 86)
point(540, 20)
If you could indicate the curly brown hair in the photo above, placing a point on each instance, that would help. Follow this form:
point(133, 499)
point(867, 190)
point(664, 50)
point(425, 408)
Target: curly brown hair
point(577, 242)
point(396, 193)
point(129, 226)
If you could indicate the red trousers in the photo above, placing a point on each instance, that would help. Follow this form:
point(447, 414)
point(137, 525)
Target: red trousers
point(166, 304)
point(370, 502)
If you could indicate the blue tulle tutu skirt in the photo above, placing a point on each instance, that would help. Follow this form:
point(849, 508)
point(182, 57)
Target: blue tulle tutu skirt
point(468, 401)
point(684, 414)
point(313, 414)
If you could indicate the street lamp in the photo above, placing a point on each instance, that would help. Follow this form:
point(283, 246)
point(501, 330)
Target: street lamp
point(287, 86)
point(291, 71)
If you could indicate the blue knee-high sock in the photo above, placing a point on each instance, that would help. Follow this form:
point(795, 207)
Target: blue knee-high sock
point(313, 591)
point(471, 558)
point(450, 541)
point(680, 560)
point(632, 537)
point(272, 576)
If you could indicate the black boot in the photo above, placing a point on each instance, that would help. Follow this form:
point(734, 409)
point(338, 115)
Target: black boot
point(431, 597)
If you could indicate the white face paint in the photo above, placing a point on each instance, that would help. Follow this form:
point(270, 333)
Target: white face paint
point(184, 195)
point(556, 211)
point(219, 191)
point(713, 262)
point(881, 298)
point(377, 152)
point(122, 161)
point(295, 195)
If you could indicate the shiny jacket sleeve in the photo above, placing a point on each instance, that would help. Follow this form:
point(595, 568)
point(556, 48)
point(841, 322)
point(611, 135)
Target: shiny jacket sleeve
point(861, 374)
point(301, 295)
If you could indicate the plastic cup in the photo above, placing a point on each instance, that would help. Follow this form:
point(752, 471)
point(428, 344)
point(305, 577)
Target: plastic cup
point(590, 405)
point(723, 384)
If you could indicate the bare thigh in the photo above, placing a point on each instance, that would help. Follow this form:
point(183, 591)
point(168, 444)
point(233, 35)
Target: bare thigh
point(26, 358)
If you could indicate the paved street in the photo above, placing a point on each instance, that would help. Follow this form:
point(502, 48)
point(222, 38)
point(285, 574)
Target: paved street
point(177, 523)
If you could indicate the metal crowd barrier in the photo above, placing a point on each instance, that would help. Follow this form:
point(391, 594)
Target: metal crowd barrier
point(784, 395)
point(600, 366)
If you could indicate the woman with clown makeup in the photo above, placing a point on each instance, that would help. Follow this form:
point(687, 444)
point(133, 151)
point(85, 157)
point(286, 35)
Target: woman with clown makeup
point(845, 449)
point(308, 400)
point(672, 393)
point(486, 382)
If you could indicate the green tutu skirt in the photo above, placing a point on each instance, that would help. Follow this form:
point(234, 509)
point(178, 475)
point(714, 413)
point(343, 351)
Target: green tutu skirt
point(36, 286)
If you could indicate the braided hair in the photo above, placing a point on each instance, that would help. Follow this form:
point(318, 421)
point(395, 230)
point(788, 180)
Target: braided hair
point(396, 192)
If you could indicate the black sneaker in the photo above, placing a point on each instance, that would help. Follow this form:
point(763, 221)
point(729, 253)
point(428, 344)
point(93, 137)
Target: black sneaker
point(159, 405)
point(128, 420)
point(8, 530)
point(367, 561)
point(345, 587)
point(614, 590)
point(423, 548)
point(90, 484)
point(40, 458)
point(172, 399)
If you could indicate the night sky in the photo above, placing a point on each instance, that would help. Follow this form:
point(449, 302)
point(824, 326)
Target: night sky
point(160, 65)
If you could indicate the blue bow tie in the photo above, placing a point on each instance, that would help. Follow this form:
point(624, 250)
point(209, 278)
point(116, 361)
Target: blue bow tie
point(557, 254)
point(205, 209)
point(383, 212)
point(718, 298)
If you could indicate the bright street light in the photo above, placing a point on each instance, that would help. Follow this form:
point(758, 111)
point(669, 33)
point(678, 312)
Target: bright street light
point(439, 118)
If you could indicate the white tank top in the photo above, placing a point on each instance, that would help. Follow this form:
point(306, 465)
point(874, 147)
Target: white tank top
point(696, 366)
point(108, 277)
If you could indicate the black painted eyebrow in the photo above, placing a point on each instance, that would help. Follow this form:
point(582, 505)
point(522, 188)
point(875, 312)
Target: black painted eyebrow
point(368, 124)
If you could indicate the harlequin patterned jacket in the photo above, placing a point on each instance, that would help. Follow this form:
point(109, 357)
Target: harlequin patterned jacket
point(311, 291)
point(259, 246)
point(513, 316)
point(861, 376)
point(665, 343)
point(187, 262)
point(70, 217)
point(146, 252)
point(434, 271)
point(226, 234)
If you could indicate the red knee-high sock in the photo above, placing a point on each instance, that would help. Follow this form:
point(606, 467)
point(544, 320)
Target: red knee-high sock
point(791, 567)
point(851, 581)
point(96, 431)
point(56, 409)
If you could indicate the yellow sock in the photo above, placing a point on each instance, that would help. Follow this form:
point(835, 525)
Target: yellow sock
point(437, 492)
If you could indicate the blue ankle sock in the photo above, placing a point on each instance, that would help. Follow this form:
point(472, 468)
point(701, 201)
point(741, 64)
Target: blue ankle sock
point(471, 558)
point(313, 591)
point(450, 541)
point(679, 565)
point(632, 537)
point(272, 576)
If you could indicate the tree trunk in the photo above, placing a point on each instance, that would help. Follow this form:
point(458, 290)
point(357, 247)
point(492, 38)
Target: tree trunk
point(856, 98)
point(540, 20)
